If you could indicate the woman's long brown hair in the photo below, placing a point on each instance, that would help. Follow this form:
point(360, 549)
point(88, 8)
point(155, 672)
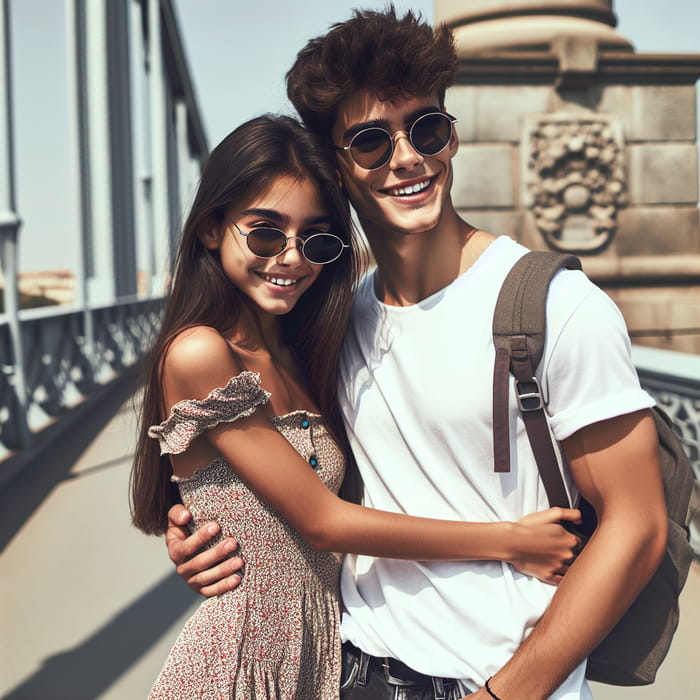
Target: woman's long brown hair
point(244, 164)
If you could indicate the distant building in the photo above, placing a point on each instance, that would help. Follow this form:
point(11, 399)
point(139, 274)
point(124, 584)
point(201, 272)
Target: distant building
point(58, 285)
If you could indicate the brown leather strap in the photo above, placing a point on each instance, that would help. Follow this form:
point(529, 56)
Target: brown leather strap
point(518, 335)
point(501, 448)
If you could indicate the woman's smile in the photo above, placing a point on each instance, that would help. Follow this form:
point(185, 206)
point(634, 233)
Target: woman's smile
point(279, 280)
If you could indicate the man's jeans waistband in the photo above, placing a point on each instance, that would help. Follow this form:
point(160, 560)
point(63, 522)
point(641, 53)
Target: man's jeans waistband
point(379, 678)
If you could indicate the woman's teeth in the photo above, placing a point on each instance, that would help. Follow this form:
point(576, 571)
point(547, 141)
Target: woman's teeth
point(279, 281)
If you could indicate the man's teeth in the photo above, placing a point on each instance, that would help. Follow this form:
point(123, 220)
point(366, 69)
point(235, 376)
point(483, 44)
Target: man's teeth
point(279, 281)
point(410, 189)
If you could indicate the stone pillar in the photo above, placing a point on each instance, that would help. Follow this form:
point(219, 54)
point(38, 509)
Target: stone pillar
point(15, 431)
point(121, 147)
point(160, 113)
point(96, 172)
point(141, 151)
point(570, 140)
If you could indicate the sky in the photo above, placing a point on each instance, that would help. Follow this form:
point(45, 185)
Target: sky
point(238, 52)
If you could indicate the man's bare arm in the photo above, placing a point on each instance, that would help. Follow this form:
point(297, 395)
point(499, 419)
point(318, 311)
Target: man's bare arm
point(615, 466)
point(208, 572)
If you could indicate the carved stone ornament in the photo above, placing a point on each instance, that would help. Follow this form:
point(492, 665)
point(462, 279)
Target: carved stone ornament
point(574, 179)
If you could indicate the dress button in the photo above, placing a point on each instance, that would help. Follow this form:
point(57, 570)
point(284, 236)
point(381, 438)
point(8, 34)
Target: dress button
point(313, 461)
point(305, 424)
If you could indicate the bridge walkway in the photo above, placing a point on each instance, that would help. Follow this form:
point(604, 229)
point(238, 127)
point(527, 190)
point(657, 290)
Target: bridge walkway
point(90, 606)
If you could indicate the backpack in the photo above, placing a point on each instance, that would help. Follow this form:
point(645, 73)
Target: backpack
point(634, 649)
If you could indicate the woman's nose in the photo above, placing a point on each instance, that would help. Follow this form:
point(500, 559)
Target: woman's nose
point(293, 251)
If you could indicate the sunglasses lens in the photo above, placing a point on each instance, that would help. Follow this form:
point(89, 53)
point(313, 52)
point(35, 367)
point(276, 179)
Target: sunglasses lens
point(371, 148)
point(266, 242)
point(322, 248)
point(431, 133)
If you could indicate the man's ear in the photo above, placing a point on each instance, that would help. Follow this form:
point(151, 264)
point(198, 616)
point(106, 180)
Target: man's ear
point(210, 233)
point(454, 142)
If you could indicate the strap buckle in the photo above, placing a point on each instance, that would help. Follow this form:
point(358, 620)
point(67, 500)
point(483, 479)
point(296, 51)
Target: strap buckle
point(528, 394)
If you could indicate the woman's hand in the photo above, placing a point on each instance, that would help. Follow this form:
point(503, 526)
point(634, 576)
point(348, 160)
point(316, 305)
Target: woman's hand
point(543, 547)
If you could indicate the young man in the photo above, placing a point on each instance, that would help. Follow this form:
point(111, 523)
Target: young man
point(416, 397)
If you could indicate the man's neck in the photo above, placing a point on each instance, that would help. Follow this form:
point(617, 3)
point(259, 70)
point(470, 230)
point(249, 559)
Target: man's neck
point(411, 267)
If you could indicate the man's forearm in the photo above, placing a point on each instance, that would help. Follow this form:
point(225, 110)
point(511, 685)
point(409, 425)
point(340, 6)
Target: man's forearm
point(592, 597)
point(615, 466)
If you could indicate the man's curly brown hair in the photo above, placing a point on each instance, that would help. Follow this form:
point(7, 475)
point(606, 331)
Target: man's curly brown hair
point(391, 57)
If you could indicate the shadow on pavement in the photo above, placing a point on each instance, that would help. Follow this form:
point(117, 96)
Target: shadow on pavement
point(39, 469)
point(88, 670)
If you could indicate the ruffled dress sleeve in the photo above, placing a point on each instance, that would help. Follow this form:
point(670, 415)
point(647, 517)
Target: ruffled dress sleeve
point(190, 418)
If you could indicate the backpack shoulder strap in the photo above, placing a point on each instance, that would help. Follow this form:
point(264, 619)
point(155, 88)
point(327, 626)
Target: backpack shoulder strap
point(518, 336)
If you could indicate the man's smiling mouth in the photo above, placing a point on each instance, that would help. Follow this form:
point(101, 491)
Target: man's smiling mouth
point(408, 190)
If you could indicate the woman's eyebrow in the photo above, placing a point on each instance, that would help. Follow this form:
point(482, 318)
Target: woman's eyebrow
point(264, 214)
point(282, 219)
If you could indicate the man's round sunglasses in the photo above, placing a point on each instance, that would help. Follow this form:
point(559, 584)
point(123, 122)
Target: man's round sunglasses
point(318, 248)
point(373, 147)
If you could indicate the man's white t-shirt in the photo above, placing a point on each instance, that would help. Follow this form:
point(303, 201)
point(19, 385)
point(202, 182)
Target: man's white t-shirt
point(416, 394)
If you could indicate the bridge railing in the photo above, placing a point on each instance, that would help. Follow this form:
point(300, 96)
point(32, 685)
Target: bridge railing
point(673, 379)
point(132, 146)
point(67, 355)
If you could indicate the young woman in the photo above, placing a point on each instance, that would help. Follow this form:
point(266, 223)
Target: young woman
point(243, 370)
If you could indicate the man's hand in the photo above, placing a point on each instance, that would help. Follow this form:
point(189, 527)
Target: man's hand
point(209, 572)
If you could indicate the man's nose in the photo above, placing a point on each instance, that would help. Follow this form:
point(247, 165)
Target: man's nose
point(404, 155)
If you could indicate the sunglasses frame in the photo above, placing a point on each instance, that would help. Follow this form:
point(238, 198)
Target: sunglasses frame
point(304, 241)
point(392, 142)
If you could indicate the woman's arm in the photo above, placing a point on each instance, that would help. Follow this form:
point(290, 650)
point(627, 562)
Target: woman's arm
point(286, 482)
point(280, 477)
point(546, 552)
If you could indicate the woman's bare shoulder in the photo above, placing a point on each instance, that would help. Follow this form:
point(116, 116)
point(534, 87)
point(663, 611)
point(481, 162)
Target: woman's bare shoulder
point(195, 342)
point(198, 360)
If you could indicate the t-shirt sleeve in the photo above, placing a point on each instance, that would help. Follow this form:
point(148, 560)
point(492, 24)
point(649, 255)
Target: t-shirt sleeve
point(190, 418)
point(588, 374)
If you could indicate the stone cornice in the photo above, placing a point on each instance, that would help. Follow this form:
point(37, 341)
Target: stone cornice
point(512, 66)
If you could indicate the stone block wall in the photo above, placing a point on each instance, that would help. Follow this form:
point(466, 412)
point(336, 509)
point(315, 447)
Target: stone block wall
point(644, 249)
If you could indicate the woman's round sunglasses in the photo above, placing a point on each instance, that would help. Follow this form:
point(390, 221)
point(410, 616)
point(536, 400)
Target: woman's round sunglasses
point(318, 248)
point(373, 147)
